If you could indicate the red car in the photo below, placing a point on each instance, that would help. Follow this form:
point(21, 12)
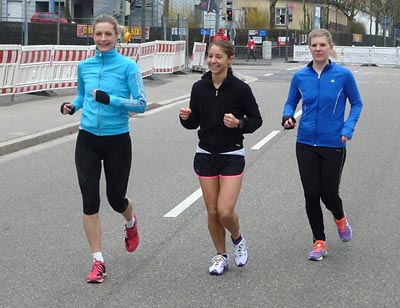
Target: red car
point(47, 17)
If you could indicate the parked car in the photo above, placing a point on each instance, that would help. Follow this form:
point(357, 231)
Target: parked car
point(47, 17)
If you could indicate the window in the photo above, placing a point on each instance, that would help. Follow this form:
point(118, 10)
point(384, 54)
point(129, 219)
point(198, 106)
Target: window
point(278, 13)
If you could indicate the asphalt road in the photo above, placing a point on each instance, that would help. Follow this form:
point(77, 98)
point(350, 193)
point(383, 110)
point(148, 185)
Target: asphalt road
point(44, 255)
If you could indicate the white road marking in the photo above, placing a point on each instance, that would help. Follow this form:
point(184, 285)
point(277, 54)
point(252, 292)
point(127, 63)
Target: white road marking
point(184, 204)
point(261, 143)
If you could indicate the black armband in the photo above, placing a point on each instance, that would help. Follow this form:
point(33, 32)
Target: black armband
point(102, 97)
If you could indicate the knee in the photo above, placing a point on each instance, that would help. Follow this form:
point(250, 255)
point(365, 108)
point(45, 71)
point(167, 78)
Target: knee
point(312, 195)
point(91, 206)
point(225, 215)
point(119, 204)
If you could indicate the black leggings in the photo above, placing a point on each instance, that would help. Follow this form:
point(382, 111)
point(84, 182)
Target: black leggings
point(320, 172)
point(116, 154)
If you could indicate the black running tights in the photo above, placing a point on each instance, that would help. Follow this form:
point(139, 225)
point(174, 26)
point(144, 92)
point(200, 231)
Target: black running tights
point(320, 172)
point(115, 152)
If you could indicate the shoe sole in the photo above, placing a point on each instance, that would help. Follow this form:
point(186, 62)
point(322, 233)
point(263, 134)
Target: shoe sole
point(242, 264)
point(215, 273)
point(96, 281)
point(318, 259)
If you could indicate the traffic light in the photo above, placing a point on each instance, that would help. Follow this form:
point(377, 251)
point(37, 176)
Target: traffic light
point(229, 10)
point(282, 18)
point(290, 17)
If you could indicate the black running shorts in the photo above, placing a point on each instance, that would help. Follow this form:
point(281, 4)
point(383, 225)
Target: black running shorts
point(214, 165)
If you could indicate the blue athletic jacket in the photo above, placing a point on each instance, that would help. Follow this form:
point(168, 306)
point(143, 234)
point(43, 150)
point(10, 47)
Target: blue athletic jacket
point(121, 79)
point(323, 104)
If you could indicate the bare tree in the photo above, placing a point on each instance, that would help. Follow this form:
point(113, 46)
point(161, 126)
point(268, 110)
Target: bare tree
point(272, 4)
point(350, 8)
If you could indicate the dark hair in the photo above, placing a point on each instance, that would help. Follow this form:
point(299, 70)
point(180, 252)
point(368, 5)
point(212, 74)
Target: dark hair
point(226, 47)
point(109, 19)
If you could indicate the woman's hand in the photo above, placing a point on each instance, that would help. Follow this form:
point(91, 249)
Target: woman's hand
point(289, 123)
point(230, 121)
point(344, 139)
point(184, 113)
point(67, 108)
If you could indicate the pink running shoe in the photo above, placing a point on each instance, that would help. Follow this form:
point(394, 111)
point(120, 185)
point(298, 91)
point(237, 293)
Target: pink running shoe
point(131, 237)
point(98, 273)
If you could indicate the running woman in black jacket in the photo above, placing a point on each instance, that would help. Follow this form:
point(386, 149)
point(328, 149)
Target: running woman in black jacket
point(224, 108)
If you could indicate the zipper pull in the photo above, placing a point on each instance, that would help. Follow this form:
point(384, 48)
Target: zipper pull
point(216, 92)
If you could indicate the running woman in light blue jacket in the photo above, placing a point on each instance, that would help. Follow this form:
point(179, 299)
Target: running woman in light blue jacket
point(109, 87)
point(323, 88)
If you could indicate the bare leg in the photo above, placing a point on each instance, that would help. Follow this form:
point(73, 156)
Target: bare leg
point(227, 198)
point(210, 189)
point(128, 211)
point(92, 227)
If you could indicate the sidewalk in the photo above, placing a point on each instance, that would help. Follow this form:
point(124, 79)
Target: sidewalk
point(32, 119)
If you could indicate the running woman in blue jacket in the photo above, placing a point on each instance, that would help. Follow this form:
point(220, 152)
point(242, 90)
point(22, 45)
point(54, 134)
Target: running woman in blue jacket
point(324, 88)
point(109, 87)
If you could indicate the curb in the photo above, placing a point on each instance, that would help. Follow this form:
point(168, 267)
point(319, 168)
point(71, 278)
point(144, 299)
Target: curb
point(15, 145)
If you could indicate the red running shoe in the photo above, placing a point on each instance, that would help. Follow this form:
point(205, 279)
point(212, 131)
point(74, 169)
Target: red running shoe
point(98, 273)
point(131, 237)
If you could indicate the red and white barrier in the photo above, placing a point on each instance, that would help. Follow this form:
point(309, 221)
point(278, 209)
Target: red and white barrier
point(179, 56)
point(164, 57)
point(27, 69)
point(129, 50)
point(9, 60)
point(198, 56)
point(64, 66)
point(146, 58)
point(34, 69)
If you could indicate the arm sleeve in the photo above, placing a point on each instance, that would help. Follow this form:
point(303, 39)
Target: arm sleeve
point(137, 101)
point(252, 120)
point(192, 121)
point(79, 98)
point(353, 95)
point(293, 98)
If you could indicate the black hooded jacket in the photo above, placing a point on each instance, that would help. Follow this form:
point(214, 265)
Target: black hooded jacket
point(209, 105)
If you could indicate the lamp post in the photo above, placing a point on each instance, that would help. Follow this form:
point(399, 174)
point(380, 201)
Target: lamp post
point(25, 22)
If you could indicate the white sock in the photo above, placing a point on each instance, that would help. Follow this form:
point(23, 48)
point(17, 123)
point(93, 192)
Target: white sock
point(129, 224)
point(97, 256)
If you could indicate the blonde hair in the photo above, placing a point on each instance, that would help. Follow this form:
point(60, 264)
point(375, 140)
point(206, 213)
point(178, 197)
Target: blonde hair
point(322, 33)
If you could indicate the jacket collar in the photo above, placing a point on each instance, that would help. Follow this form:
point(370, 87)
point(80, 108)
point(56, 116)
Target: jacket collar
point(109, 53)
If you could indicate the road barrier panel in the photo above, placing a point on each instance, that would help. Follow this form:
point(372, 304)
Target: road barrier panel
point(64, 66)
point(198, 56)
point(9, 61)
point(34, 69)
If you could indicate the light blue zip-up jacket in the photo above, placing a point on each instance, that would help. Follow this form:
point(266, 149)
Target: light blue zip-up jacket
point(121, 79)
point(324, 104)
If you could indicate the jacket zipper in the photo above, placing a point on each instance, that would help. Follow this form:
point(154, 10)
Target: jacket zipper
point(316, 124)
point(99, 105)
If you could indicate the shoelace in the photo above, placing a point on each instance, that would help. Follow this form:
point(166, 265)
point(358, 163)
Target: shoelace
point(318, 246)
point(239, 249)
point(217, 260)
point(99, 267)
point(341, 224)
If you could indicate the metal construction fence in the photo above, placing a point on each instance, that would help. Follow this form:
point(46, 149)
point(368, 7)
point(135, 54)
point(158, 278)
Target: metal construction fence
point(28, 69)
point(351, 55)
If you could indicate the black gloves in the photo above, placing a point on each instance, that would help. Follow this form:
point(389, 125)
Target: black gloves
point(285, 118)
point(62, 108)
point(102, 97)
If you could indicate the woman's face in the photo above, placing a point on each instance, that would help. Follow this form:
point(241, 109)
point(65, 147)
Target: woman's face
point(104, 36)
point(320, 49)
point(217, 60)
